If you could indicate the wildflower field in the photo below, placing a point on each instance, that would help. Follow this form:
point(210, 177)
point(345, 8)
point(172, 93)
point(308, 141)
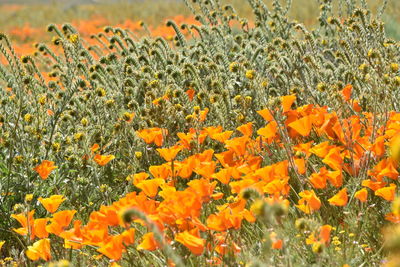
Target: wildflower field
point(231, 134)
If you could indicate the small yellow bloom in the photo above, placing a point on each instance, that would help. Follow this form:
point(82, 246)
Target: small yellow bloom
point(28, 197)
point(317, 247)
point(250, 74)
point(74, 38)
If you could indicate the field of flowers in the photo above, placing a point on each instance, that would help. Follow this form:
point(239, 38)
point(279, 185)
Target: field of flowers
point(218, 138)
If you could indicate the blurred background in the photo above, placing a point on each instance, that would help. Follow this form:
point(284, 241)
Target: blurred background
point(26, 20)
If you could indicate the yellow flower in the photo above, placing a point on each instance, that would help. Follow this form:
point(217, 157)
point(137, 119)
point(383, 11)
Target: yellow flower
point(317, 247)
point(394, 67)
point(74, 38)
point(138, 154)
point(250, 74)
point(28, 197)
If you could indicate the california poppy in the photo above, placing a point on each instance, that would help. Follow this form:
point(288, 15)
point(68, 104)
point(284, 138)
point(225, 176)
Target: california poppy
point(52, 203)
point(39, 227)
point(170, 153)
point(39, 250)
point(266, 114)
point(194, 243)
point(287, 102)
point(150, 187)
point(224, 176)
point(153, 135)
point(346, 92)
point(190, 93)
point(45, 168)
point(148, 242)
point(27, 223)
point(268, 131)
point(276, 243)
point(387, 193)
point(309, 201)
point(246, 129)
point(113, 248)
point(302, 126)
point(138, 177)
point(102, 160)
point(334, 159)
point(362, 195)
point(60, 221)
point(340, 199)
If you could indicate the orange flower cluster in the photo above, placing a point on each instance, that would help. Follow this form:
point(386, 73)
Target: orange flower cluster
point(174, 195)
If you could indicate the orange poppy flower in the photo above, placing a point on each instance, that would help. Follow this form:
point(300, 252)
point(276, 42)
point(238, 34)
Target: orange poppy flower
point(362, 195)
point(206, 169)
point(94, 148)
point(73, 238)
point(150, 187)
point(203, 188)
point(50, 112)
point(102, 160)
point(266, 114)
point(128, 236)
point(340, 199)
point(246, 129)
point(322, 149)
point(169, 154)
point(222, 247)
point(324, 233)
point(148, 242)
point(303, 126)
point(39, 250)
point(309, 201)
point(346, 92)
point(203, 115)
point(372, 184)
point(335, 178)
point(27, 223)
point(193, 242)
point(52, 203)
point(224, 176)
point(185, 139)
point(318, 180)
point(334, 159)
point(304, 148)
point(153, 135)
point(113, 248)
point(45, 168)
point(39, 227)
point(391, 217)
point(385, 168)
point(190, 93)
point(287, 102)
point(60, 221)
point(301, 165)
point(276, 243)
point(387, 193)
point(160, 171)
point(221, 137)
point(356, 106)
point(139, 177)
point(268, 131)
point(238, 145)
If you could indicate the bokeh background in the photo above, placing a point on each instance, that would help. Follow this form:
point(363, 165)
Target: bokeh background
point(26, 20)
